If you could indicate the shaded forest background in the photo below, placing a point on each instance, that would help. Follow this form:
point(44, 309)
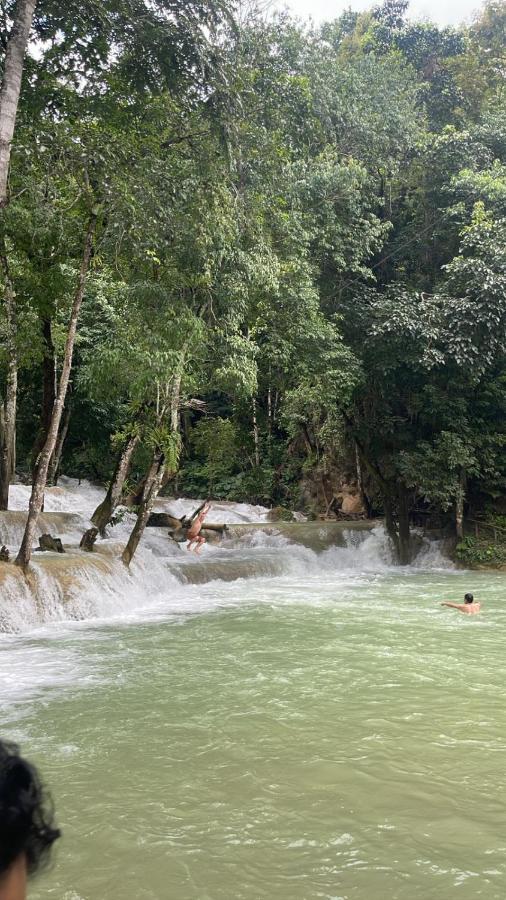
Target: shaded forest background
point(296, 273)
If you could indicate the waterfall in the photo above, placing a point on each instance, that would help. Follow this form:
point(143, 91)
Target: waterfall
point(164, 576)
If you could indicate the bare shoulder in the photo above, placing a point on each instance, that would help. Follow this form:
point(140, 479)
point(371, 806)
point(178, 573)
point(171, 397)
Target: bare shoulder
point(469, 609)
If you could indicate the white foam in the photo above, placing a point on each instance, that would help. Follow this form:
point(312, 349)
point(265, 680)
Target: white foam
point(70, 495)
point(222, 511)
point(163, 575)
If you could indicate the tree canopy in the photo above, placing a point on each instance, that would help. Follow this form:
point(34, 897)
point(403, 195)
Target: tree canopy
point(299, 255)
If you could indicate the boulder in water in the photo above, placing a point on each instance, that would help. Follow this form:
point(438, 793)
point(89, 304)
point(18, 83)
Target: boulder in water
point(47, 542)
point(352, 505)
point(179, 535)
point(4, 554)
point(280, 514)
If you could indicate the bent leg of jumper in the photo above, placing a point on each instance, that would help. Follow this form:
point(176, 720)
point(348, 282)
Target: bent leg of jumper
point(200, 542)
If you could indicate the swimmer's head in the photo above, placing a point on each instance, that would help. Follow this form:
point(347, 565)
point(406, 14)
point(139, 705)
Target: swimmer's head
point(469, 598)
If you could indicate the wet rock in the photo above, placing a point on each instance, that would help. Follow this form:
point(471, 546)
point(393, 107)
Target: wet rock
point(47, 542)
point(162, 520)
point(4, 554)
point(88, 539)
point(280, 514)
point(352, 505)
point(179, 535)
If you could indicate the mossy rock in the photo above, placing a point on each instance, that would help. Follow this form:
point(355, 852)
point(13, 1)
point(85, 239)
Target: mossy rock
point(280, 514)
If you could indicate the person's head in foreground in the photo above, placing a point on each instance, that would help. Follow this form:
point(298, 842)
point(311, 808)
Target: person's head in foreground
point(469, 598)
point(27, 830)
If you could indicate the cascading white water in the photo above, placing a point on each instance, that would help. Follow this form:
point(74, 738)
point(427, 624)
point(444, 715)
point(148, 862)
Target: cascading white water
point(86, 586)
point(69, 496)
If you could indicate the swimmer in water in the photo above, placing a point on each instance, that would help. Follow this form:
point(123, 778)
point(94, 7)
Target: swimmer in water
point(470, 607)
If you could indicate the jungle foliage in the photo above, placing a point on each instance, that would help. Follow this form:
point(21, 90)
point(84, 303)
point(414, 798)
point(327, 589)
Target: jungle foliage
point(298, 262)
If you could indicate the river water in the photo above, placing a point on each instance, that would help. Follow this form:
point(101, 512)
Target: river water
point(273, 720)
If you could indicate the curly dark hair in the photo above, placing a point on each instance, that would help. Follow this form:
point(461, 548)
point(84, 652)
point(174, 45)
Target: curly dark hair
point(26, 813)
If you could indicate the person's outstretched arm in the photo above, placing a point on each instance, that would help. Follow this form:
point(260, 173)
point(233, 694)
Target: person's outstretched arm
point(459, 606)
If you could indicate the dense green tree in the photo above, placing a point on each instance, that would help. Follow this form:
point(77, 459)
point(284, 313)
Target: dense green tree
point(297, 270)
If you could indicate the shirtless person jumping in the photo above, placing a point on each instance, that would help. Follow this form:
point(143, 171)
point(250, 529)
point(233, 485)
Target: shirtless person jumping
point(469, 607)
point(194, 536)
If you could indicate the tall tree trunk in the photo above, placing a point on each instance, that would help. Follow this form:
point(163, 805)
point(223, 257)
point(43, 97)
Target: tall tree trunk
point(175, 421)
point(54, 465)
point(9, 403)
point(459, 506)
point(103, 513)
point(48, 391)
point(135, 496)
point(398, 531)
point(269, 421)
point(9, 99)
point(404, 530)
point(390, 523)
point(37, 495)
point(360, 483)
point(11, 86)
point(157, 472)
point(256, 438)
point(152, 486)
point(400, 536)
point(175, 403)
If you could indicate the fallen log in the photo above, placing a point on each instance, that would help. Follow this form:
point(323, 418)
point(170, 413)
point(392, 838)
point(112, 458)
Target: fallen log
point(209, 526)
point(180, 534)
point(178, 528)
